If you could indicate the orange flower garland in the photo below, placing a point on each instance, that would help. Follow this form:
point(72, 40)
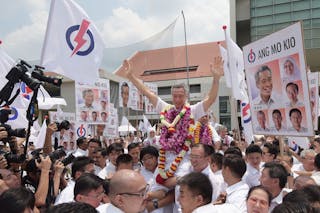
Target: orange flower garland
point(198, 135)
point(165, 174)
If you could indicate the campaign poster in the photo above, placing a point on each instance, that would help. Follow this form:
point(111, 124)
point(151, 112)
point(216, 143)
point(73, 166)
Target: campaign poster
point(92, 102)
point(149, 108)
point(112, 128)
point(277, 84)
point(129, 96)
point(313, 78)
point(66, 138)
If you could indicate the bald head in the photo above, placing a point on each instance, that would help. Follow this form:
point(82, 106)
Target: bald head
point(124, 180)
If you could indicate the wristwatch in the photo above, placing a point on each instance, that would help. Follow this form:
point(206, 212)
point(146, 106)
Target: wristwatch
point(155, 204)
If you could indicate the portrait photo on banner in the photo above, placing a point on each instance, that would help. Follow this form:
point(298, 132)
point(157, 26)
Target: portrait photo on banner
point(277, 84)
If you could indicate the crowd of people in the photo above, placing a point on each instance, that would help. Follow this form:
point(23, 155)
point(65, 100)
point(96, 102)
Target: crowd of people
point(188, 166)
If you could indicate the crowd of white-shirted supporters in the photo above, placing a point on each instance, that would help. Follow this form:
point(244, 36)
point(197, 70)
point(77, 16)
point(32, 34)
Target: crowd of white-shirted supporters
point(230, 175)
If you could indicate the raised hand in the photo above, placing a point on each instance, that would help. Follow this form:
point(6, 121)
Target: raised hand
point(127, 68)
point(217, 67)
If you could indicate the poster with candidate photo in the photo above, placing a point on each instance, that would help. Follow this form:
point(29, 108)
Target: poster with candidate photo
point(313, 78)
point(149, 108)
point(129, 96)
point(112, 128)
point(66, 138)
point(92, 102)
point(277, 84)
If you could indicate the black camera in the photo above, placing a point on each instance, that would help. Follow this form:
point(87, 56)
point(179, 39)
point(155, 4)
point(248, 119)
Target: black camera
point(38, 74)
point(63, 125)
point(13, 157)
point(4, 116)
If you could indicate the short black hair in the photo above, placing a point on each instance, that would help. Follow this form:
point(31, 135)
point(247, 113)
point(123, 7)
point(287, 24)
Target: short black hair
point(17, 200)
point(276, 170)
point(294, 85)
point(217, 159)
point(79, 164)
point(81, 140)
point(85, 183)
point(272, 149)
point(208, 150)
point(236, 165)
point(253, 148)
point(124, 84)
point(117, 147)
point(124, 158)
point(198, 184)
point(234, 150)
point(94, 140)
point(294, 110)
point(289, 207)
point(151, 150)
point(72, 207)
point(103, 151)
point(132, 146)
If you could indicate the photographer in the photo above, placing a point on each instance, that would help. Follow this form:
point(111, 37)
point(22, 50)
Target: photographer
point(3, 133)
point(37, 180)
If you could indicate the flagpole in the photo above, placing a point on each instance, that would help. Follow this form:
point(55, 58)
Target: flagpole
point(232, 100)
point(186, 48)
point(47, 30)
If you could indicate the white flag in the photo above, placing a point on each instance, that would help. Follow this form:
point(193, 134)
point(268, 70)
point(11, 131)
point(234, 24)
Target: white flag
point(246, 120)
point(236, 68)
point(42, 136)
point(73, 46)
point(146, 122)
point(227, 75)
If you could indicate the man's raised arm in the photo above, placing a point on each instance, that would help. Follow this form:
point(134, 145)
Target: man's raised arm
point(137, 83)
point(217, 71)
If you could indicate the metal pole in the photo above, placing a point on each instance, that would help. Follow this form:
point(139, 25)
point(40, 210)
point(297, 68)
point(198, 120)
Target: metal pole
point(186, 48)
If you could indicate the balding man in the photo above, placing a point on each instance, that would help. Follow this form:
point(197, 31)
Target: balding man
point(127, 193)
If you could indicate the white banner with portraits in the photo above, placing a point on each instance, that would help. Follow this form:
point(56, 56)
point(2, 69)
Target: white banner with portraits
point(66, 138)
point(112, 128)
point(149, 108)
point(92, 102)
point(277, 84)
point(129, 96)
point(313, 78)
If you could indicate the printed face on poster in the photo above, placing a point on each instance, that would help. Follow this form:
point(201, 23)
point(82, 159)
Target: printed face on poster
point(277, 84)
point(67, 137)
point(149, 108)
point(129, 96)
point(92, 102)
point(313, 78)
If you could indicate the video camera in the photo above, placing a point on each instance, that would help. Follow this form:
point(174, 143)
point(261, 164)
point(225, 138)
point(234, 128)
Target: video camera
point(63, 125)
point(20, 73)
point(54, 156)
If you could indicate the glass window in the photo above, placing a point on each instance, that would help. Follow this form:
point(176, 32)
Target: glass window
point(224, 104)
point(315, 33)
point(316, 13)
point(265, 20)
point(282, 1)
point(280, 18)
point(307, 43)
point(264, 30)
point(306, 24)
point(301, 5)
point(259, 3)
point(307, 34)
point(264, 11)
point(300, 15)
point(282, 8)
point(315, 43)
point(315, 4)
point(196, 88)
point(164, 90)
point(316, 23)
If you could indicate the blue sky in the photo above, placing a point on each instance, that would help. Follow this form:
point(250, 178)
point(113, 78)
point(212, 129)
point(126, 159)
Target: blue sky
point(121, 22)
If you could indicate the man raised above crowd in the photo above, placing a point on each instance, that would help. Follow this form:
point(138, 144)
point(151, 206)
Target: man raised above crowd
point(177, 119)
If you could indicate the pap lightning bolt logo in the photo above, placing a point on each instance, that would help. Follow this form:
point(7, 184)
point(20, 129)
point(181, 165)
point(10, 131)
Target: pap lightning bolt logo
point(79, 37)
point(82, 31)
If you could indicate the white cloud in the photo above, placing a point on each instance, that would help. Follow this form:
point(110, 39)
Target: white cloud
point(26, 42)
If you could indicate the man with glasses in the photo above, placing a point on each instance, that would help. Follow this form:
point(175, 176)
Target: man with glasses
point(89, 189)
point(128, 193)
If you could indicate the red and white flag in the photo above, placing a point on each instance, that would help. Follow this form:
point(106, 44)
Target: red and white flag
point(73, 46)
